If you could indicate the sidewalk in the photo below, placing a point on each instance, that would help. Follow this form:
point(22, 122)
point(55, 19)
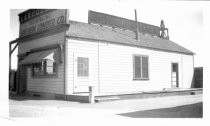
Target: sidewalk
point(37, 108)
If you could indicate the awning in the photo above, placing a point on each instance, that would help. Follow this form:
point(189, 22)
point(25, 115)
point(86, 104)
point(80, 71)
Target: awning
point(39, 56)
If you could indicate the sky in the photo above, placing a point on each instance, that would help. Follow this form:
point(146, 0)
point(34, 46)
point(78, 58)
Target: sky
point(184, 19)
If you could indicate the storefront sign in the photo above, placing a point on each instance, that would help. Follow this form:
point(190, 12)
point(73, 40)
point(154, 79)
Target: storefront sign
point(43, 22)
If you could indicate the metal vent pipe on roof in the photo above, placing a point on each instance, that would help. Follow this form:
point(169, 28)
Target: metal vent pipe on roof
point(137, 30)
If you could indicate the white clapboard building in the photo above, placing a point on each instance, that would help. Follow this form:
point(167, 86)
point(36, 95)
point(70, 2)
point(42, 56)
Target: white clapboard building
point(58, 56)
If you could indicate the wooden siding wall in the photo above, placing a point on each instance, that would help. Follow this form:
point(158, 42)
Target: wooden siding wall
point(47, 84)
point(82, 49)
point(41, 42)
point(187, 71)
point(115, 71)
point(44, 84)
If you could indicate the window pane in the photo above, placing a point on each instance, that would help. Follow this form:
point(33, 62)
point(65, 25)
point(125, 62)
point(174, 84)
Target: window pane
point(54, 67)
point(82, 66)
point(38, 68)
point(174, 67)
point(46, 67)
point(137, 67)
point(50, 67)
point(144, 67)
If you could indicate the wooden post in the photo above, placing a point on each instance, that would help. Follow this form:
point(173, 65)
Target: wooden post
point(137, 30)
point(9, 64)
point(91, 95)
point(17, 80)
point(14, 48)
point(10, 46)
point(10, 55)
point(11, 51)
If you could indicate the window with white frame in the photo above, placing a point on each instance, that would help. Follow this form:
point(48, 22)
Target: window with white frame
point(82, 67)
point(141, 67)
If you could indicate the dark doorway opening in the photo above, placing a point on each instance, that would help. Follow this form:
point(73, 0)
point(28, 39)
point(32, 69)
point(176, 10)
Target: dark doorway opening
point(174, 75)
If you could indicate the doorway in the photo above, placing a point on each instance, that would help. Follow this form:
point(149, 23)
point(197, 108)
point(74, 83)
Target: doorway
point(174, 75)
point(81, 74)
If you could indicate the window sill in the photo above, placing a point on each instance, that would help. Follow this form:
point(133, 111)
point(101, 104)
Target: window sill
point(141, 79)
point(45, 76)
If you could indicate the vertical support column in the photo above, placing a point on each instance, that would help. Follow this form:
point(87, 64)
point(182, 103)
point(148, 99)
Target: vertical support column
point(9, 63)
point(65, 66)
point(10, 56)
point(17, 78)
point(10, 46)
point(99, 67)
point(91, 94)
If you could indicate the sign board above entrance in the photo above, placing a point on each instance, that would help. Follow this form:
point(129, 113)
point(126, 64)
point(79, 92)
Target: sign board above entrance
point(37, 20)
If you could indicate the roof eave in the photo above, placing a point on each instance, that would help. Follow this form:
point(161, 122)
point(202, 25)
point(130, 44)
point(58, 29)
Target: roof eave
point(77, 37)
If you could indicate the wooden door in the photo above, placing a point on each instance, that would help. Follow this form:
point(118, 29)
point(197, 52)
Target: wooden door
point(81, 73)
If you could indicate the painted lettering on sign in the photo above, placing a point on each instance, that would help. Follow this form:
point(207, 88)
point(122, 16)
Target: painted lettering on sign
point(43, 22)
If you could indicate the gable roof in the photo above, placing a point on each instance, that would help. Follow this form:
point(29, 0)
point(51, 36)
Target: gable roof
point(118, 36)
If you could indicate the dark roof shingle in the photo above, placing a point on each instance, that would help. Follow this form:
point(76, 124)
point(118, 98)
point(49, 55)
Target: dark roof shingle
point(96, 32)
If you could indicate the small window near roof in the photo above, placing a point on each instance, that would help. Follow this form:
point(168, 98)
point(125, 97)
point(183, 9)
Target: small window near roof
point(141, 67)
point(82, 67)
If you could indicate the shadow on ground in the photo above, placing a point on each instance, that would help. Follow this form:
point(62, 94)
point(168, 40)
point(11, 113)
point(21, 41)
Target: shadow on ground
point(25, 97)
point(185, 111)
